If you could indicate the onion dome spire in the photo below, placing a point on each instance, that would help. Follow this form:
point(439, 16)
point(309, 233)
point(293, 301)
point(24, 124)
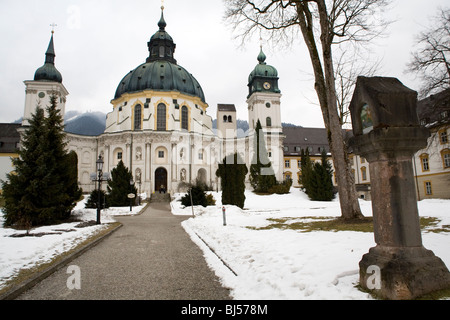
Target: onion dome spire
point(261, 57)
point(162, 23)
point(48, 71)
point(50, 53)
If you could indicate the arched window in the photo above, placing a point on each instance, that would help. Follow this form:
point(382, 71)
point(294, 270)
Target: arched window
point(161, 117)
point(137, 117)
point(230, 119)
point(184, 118)
point(364, 173)
point(225, 118)
point(268, 122)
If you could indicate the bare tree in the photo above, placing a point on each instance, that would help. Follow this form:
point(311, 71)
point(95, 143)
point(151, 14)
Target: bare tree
point(322, 24)
point(431, 60)
point(348, 68)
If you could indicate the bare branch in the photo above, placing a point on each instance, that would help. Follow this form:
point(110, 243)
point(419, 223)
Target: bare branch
point(431, 60)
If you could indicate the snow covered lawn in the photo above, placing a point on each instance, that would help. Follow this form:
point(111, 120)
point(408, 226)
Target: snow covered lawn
point(290, 264)
point(17, 253)
point(268, 263)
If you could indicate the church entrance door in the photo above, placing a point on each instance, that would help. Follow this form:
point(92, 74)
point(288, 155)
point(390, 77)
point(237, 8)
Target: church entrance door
point(160, 179)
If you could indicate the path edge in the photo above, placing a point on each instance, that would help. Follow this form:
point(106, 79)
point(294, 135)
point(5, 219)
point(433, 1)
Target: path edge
point(25, 285)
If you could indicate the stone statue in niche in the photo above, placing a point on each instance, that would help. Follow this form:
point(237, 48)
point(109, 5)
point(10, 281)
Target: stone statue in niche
point(138, 154)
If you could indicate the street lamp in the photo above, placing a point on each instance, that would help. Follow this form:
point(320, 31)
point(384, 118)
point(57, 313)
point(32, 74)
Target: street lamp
point(131, 191)
point(100, 174)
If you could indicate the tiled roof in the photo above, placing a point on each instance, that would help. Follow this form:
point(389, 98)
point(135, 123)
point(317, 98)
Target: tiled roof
point(9, 137)
point(434, 110)
point(298, 138)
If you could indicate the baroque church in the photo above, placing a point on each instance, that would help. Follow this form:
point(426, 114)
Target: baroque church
point(159, 125)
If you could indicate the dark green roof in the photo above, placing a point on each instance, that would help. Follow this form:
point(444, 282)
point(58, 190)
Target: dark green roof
point(48, 71)
point(262, 69)
point(261, 75)
point(160, 75)
point(160, 71)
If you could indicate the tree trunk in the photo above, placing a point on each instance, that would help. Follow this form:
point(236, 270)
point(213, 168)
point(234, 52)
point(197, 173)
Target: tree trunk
point(326, 92)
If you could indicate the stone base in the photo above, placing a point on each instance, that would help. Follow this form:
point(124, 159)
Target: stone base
point(405, 272)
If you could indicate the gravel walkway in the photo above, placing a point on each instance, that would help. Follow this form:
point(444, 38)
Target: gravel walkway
point(150, 257)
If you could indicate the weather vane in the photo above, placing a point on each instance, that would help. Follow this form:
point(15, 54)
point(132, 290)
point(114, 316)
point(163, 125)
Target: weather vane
point(53, 25)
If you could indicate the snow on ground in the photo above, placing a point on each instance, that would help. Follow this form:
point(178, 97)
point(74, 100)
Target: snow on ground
point(17, 253)
point(289, 264)
point(269, 264)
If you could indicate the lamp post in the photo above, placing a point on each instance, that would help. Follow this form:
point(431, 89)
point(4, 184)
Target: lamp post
point(100, 174)
point(139, 181)
point(131, 191)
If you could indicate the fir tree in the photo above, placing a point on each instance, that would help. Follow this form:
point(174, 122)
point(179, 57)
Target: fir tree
point(306, 169)
point(42, 189)
point(232, 172)
point(119, 186)
point(198, 196)
point(21, 190)
point(72, 188)
point(262, 177)
point(62, 192)
point(93, 199)
point(320, 186)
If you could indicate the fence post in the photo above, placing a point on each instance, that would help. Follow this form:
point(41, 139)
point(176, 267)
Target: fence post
point(223, 213)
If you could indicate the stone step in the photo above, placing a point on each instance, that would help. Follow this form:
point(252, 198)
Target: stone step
point(160, 197)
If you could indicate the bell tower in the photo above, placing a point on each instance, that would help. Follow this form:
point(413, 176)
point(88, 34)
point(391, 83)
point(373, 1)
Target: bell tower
point(47, 81)
point(264, 96)
point(263, 103)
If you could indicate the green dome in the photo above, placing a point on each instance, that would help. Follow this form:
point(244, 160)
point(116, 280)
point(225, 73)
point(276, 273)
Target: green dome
point(263, 78)
point(262, 69)
point(160, 75)
point(160, 71)
point(48, 72)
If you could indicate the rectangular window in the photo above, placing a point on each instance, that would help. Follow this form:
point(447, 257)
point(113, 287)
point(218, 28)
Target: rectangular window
point(200, 155)
point(425, 164)
point(428, 189)
point(287, 163)
point(161, 117)
point(119, 155)
point(443, 136)
point(446, 160)
point(137, 117)
point(160, 154)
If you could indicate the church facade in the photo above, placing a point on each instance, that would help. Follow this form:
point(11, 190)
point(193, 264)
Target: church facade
point(159, 126)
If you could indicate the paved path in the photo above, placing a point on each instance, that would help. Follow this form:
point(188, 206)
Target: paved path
point(150, 257)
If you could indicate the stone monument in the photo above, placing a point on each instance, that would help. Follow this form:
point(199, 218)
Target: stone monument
point(387, 133)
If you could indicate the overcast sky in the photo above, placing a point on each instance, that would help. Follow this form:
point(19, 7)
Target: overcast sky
point(97, 42)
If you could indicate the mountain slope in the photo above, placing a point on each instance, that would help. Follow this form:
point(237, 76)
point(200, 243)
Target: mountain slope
point(88, 124)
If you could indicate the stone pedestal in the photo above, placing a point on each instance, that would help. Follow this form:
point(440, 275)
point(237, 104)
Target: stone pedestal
point(405, 272)
point(406, 269)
